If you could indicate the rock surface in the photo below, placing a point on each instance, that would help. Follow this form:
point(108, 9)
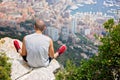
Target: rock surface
point(20, 69)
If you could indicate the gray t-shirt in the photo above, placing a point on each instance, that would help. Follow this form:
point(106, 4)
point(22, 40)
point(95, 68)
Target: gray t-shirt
point(37, 46)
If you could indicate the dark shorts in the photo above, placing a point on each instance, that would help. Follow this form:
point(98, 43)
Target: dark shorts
point(24, 58)
point(50, 59)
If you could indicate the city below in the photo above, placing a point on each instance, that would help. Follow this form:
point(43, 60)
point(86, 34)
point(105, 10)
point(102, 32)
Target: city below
point(64, 18)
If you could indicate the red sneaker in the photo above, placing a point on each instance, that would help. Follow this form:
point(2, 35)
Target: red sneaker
point(62, 49)
point(16, 44)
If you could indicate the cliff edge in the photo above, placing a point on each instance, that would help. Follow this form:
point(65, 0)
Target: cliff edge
point(20, 70)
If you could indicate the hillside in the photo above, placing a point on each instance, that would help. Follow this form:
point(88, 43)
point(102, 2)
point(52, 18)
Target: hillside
point(104, 66)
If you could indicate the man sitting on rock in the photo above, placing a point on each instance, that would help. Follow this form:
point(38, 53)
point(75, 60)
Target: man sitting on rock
point(37, 48)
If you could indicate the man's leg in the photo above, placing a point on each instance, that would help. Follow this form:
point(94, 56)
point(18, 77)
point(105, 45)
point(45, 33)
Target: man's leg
point(17, 46)
point(60, 51)
point(56, 55)
point(24, 57)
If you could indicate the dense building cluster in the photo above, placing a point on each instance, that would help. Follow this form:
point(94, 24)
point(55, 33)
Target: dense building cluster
point(57, 16)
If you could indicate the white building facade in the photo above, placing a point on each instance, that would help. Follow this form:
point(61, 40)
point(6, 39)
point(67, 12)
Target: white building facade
point(53, 33)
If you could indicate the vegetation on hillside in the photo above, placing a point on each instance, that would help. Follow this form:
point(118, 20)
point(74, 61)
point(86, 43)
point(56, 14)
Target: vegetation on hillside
point(72, 54)
point(16, 32)
point(5, 67)
point(105, 66)
point(77, 45)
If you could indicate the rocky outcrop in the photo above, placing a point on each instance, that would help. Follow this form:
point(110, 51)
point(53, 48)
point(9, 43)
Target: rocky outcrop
point(20, 69)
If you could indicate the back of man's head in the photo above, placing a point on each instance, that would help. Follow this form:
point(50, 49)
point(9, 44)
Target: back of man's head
point(39, 25)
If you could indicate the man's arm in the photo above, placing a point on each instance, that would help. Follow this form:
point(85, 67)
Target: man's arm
point(51, 49)
point(24, 51)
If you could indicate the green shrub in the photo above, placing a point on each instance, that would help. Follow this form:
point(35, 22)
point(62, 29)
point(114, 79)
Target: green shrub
point(5, 67)
point(69, 73)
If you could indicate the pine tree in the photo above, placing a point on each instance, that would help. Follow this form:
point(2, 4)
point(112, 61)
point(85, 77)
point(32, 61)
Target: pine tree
point(5, 67)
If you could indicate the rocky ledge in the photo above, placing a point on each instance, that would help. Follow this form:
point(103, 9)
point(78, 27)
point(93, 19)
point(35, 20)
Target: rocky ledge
point(20, 70)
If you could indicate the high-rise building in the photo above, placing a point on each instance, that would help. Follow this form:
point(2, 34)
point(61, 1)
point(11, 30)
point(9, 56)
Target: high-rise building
point(52, 32)
point(87, 31)
point(64, 33)
point(74, 25)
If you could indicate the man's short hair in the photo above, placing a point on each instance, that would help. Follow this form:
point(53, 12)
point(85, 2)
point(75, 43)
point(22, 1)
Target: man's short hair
point(39, 24)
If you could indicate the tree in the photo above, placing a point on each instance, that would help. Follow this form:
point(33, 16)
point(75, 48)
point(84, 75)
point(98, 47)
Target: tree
point(105, 66)
point(5, 67)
